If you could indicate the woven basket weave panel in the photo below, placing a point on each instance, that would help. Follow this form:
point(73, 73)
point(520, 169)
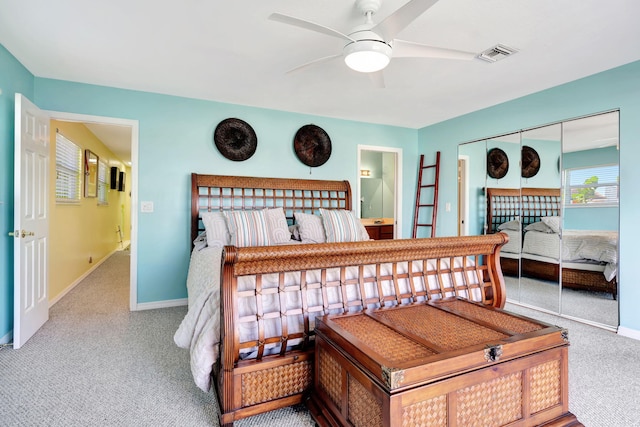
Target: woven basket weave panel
point(364, 409)
point(443, 329)
point(593, 279)
point(491, 403)
point(546, 385)
point(330, 376)
point(382, 339)
point(428, 413)
point(495, 318)
point(268, 384)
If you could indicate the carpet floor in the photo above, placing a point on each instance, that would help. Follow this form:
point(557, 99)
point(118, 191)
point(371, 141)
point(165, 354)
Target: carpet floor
point(95, 363)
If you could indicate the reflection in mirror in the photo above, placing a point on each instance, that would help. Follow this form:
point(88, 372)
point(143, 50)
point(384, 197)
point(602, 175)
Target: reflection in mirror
point(540, 217)
point(590, 169)
point(558, 201)
point(502, 201)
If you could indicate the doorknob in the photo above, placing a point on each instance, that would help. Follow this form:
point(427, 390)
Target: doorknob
point(22, 234)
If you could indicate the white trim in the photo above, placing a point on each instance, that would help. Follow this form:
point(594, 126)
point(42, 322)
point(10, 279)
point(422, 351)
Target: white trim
point(465, 226)
point(78, 280)
point(135, 128)
point(162, 304)
point(7, 338)
point(629, 333)
point(397, 229)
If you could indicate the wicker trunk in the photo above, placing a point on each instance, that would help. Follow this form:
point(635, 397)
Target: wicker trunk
point(446, 363)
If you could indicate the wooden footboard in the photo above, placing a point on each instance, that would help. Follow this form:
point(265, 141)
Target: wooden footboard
point(272, 295)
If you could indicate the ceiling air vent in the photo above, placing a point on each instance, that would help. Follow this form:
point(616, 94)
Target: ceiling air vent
point(496, 53)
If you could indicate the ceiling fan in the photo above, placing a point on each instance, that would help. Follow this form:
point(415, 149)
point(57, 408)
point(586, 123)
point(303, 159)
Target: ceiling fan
point(370, 47)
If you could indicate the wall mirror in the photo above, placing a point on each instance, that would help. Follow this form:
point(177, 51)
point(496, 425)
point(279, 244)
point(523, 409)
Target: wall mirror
point(590, 175)
point(90, 174)
point(558, 202)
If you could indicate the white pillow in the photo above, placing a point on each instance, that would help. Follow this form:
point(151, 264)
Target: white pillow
point(215, 226)
point(553, 222)
point(310, 228)
point(277, 226)
point(342, 226)
point(510, 225)
point(248, 228)
point(538, 226)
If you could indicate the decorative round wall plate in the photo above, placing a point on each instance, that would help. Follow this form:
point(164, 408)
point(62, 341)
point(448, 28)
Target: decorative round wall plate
point(312, 145)
point(235, 139)
point(530, 162)
point(497, 163)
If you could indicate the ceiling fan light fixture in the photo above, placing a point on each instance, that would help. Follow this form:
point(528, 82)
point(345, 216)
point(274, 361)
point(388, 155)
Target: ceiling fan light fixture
point(367, 56)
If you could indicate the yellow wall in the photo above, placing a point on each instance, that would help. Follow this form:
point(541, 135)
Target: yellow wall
point(84, 231)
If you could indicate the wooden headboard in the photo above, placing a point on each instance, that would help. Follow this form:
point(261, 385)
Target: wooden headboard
point(220, 193)
point(528, 204)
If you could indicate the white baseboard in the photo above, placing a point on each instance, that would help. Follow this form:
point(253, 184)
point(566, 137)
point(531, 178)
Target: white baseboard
point(78, 280)
point(160, 304)
point(629, 333)
point(7, 338)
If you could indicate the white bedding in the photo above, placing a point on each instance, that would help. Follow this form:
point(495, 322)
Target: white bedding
point(200, 330)
point(514, 244)
point(577, 245)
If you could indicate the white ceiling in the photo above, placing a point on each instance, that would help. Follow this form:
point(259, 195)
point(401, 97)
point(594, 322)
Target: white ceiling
point(229, 51)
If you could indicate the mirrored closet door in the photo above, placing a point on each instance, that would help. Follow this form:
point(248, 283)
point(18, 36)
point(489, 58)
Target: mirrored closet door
point(590, 218)
point(554, 191)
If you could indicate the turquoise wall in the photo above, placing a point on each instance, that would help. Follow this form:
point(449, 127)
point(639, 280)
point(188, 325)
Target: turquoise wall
point(14, 78)
point(618, 88)
point(175, 140)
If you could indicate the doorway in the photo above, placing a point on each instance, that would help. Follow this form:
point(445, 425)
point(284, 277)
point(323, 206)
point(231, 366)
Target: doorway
point(103, 128)
point(388, 177)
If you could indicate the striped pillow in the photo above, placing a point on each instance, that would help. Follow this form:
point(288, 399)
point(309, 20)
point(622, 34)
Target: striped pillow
point(341, 225)
point(248, 228)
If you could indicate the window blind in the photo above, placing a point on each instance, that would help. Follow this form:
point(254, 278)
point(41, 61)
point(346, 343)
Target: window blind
point(593, 185)
point(68, 168)
point(102, 183)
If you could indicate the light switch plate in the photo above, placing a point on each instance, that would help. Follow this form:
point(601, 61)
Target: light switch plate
point(146, 207)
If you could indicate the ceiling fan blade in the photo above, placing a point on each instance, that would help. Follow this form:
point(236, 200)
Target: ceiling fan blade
point(314, 62)
point(401, 18)
point(377, 78)
point(308, 25)
point(405, 49)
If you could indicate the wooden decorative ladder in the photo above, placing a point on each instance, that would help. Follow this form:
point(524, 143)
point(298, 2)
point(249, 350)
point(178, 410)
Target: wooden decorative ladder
point(428, 192)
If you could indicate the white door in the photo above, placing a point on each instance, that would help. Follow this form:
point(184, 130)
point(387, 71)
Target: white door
point(31, 221)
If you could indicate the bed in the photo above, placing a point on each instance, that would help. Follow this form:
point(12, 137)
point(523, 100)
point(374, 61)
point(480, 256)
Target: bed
point(531, 219)
point(250, 322)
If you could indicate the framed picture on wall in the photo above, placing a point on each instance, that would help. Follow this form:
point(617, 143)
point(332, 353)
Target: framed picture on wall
point(121, 180)
point(90, 174)
point(115, 174)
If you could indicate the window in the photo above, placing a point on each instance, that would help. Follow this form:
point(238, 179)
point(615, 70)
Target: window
point(68, 167)
point(592, 186)
point(102, 183)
